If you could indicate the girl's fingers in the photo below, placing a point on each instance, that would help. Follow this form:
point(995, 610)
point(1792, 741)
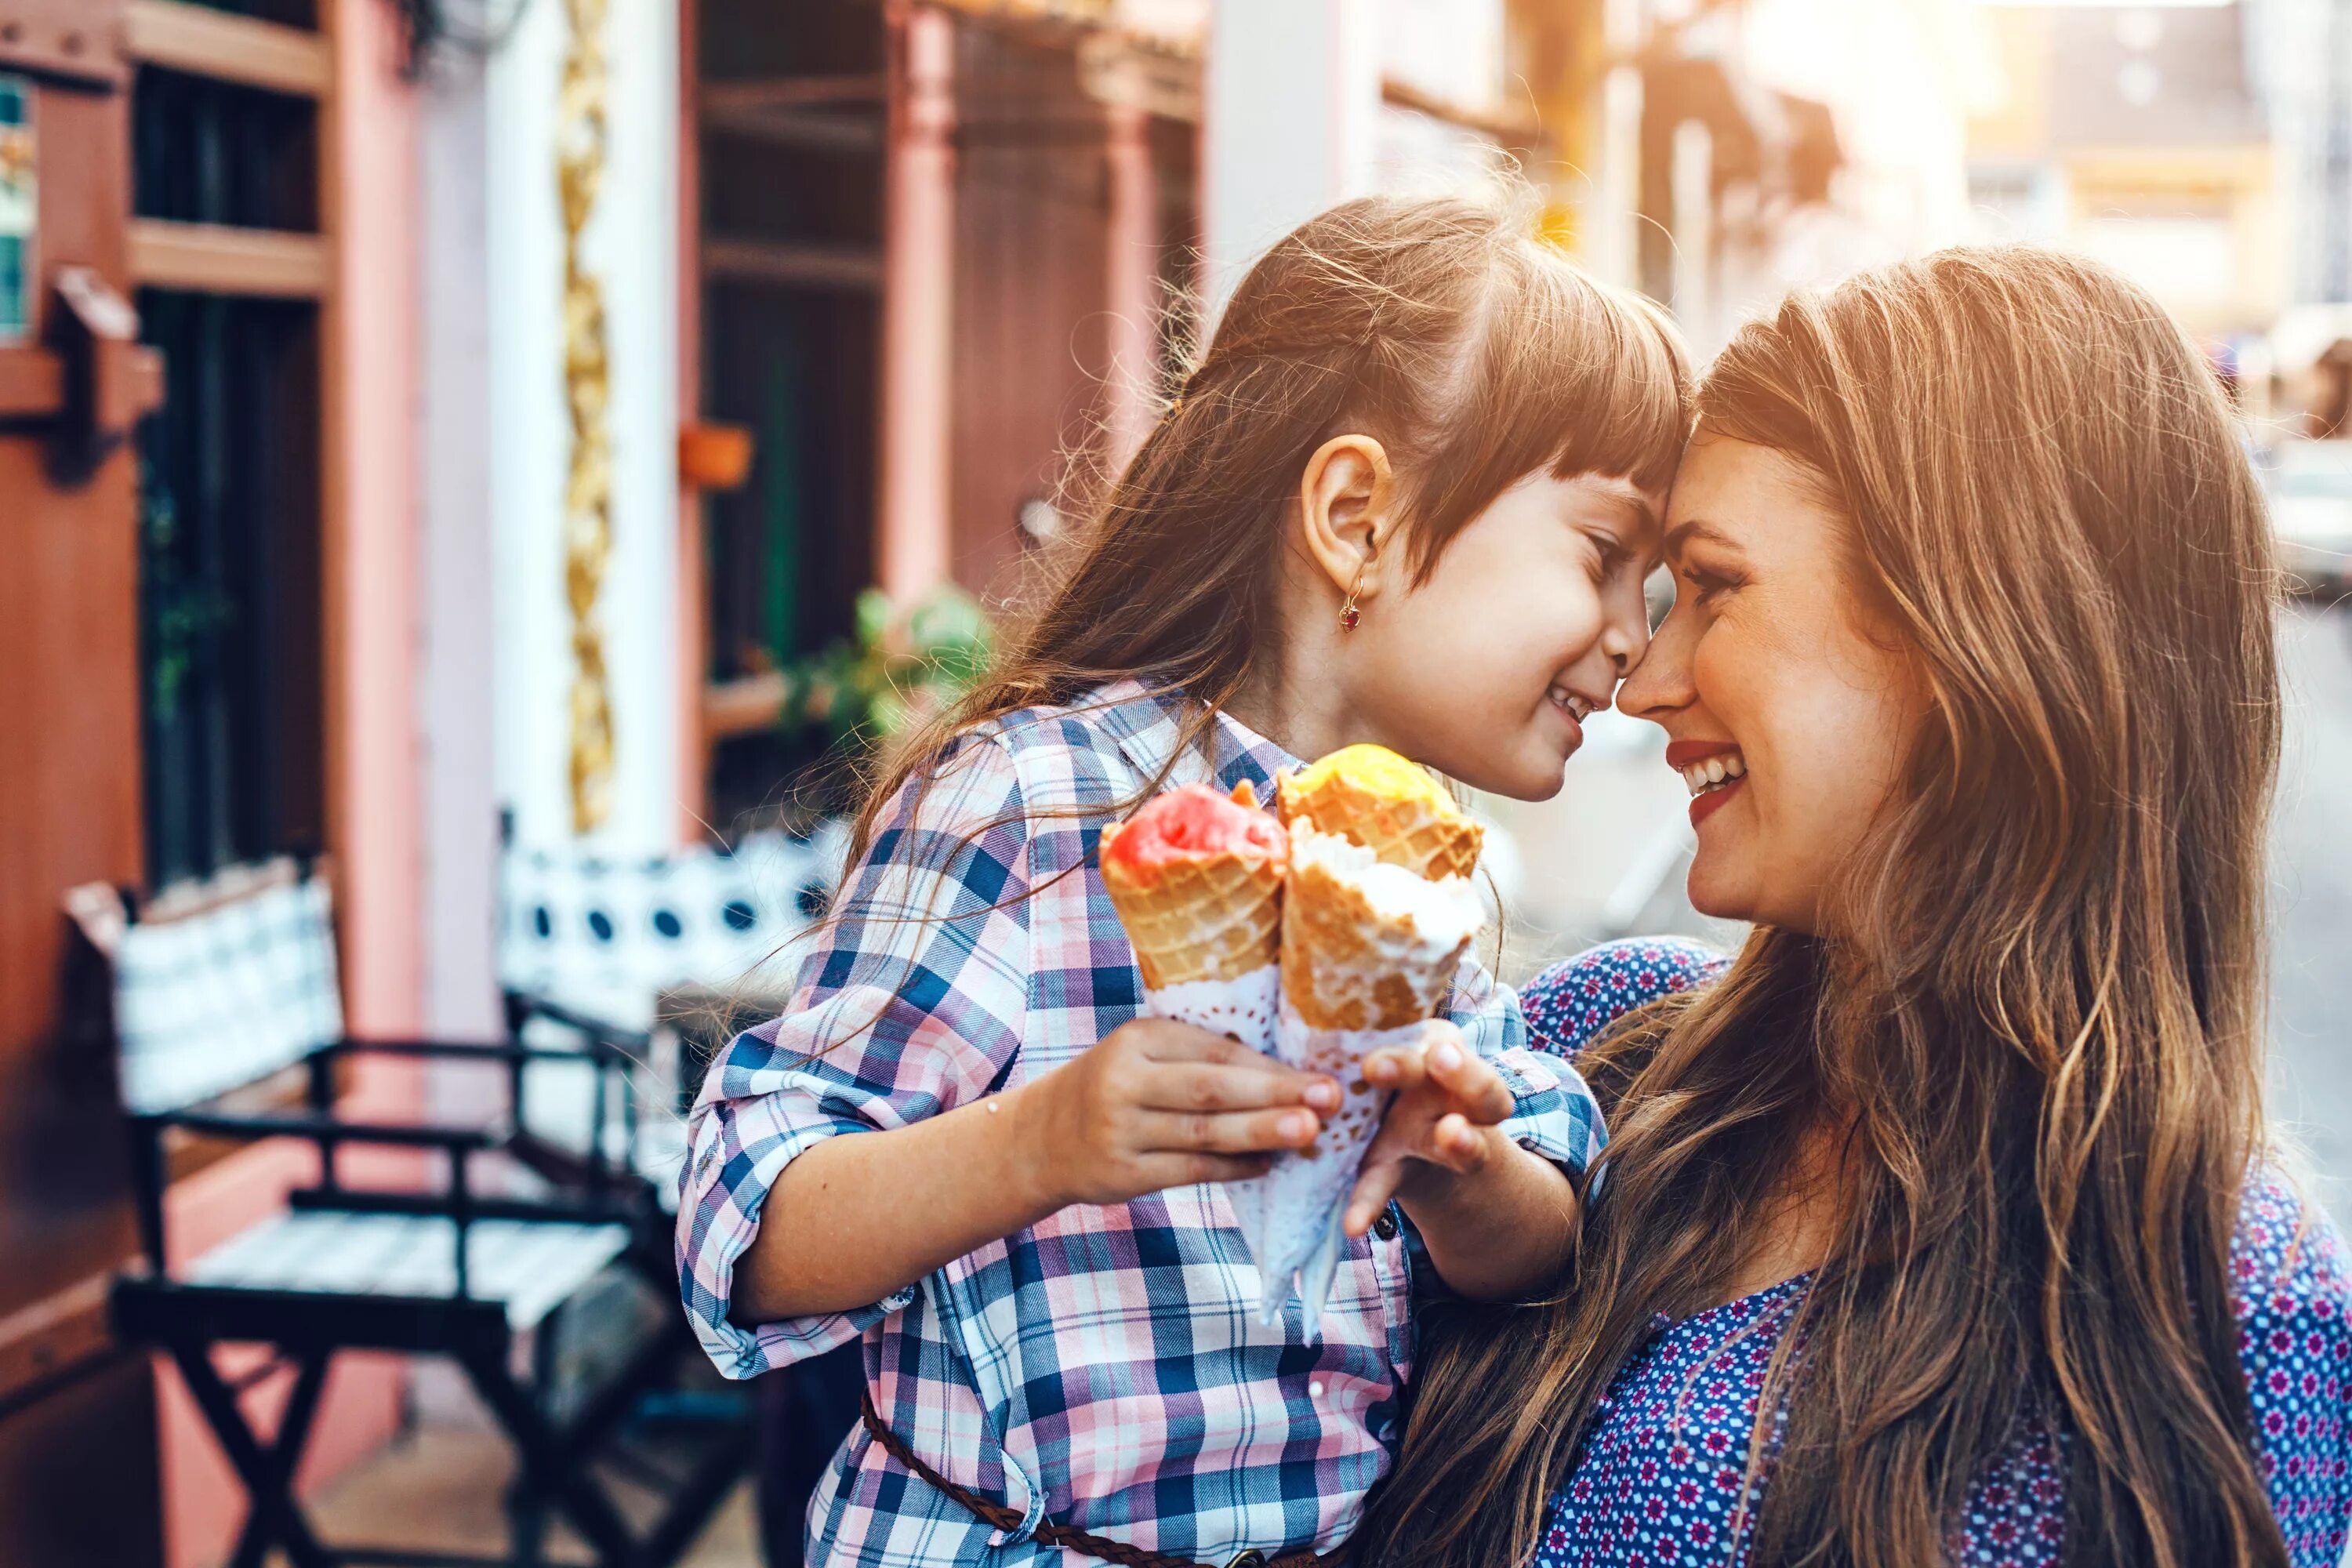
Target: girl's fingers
point(1471, 1082)
point(1166, 1040)
point(1226, 1133)
point(1254, 1085)
point(1454, 1143)
point(1376, 1185)
point(1398, 1067)
point(1165, 1171)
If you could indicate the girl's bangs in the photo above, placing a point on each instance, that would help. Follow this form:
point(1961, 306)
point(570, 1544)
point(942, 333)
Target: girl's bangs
point(1570, 377)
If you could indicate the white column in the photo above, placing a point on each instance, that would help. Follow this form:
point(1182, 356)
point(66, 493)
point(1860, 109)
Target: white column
point(1289, 119)
point(631, 245)
point(1693, 192)
point(460, 603)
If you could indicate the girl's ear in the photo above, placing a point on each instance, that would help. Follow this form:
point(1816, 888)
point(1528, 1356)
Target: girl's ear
point(1347, 513)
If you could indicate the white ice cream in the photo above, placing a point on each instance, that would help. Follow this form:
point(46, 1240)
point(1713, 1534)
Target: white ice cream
point(1444, 914)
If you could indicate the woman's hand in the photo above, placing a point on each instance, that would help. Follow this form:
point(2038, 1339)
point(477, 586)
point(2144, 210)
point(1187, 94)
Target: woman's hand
point(1440, 1126)
point(1157, 1104)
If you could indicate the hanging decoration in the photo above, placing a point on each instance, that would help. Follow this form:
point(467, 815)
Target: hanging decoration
point(580, 144)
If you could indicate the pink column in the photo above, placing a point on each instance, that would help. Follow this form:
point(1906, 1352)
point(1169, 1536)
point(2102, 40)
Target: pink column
point(693, 598)
point(373, 757)
point(912, 539)
point(1131, 289)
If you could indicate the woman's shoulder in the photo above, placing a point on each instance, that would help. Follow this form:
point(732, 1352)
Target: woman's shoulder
point(2287, 1288)
point(1568, 1004)
point(2287, 1263)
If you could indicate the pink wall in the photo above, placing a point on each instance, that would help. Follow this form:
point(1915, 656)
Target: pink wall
point(373, 762)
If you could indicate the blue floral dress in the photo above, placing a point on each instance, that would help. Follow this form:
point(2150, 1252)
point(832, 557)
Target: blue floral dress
point(1658, 1482)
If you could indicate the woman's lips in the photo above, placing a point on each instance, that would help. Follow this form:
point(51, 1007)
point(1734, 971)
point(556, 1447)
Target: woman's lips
point(1707, 802)
point(1714, 770)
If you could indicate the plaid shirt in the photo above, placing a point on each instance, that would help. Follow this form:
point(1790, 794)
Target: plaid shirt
point(1104, 1368)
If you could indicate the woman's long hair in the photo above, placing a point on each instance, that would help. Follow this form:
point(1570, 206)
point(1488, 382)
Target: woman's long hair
point(2042, 1012)
point(1476, 352)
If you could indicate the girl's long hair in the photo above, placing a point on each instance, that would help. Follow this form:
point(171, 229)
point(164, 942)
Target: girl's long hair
point(1476, 352)
point(2042, 1010)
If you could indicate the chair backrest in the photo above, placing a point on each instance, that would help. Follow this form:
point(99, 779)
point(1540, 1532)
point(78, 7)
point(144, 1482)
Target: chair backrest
point(607, 936)
point(221, 986)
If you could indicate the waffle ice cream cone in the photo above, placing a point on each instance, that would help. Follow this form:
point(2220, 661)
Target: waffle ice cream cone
point(1199, 890)
point(1351, 962)
point(1369, 795)
point(1369, 955)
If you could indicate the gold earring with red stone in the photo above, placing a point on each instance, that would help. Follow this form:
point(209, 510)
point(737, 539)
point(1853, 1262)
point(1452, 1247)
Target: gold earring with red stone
point(1349, 614)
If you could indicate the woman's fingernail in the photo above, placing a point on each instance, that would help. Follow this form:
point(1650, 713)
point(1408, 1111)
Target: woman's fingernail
point(1293, 1128)
point(1323, 1095)
point(1446, 1057)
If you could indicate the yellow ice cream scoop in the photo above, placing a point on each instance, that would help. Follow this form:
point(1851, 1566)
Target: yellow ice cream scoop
point(1392, 806)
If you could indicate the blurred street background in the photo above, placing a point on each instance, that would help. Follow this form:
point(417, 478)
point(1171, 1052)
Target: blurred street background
point(500, 464)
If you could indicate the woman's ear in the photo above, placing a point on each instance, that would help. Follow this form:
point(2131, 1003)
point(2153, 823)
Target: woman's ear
point(1347, 513)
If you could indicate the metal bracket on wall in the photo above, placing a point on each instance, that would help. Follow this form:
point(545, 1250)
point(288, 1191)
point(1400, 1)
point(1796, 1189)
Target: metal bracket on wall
point(92, 384)
point(110, 379)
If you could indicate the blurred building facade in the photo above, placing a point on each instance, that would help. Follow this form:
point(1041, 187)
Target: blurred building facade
point(540, 379)
point(2140, 136)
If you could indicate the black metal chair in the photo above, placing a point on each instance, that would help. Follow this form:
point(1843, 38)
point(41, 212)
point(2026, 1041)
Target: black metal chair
point(244, 990)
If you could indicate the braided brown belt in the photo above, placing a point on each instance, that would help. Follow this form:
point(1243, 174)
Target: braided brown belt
point(1096, 1546)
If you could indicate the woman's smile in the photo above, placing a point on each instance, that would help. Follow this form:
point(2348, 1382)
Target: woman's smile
point(1714, 770)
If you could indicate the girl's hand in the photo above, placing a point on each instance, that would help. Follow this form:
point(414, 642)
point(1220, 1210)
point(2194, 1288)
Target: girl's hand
point(1157, 1104)
point(1440, 1126)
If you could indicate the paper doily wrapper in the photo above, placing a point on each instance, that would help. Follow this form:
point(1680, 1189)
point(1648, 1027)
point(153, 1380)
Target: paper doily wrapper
point(1243, 1007)
point(1302, 1196)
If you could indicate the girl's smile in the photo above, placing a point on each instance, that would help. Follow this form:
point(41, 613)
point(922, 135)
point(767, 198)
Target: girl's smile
point(1574, 708)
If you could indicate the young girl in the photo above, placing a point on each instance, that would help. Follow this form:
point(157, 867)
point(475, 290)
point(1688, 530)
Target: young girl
point(1408, 497)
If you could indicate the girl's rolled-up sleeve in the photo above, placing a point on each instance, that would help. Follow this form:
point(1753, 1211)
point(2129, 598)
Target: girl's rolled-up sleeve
point(912, 1002)
point(1552, 1113)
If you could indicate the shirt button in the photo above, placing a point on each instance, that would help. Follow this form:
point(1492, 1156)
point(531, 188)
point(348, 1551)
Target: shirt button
point(1253, 1558)
point(1385, 1227)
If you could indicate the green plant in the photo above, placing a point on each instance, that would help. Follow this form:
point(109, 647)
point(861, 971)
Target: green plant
point(904, 664)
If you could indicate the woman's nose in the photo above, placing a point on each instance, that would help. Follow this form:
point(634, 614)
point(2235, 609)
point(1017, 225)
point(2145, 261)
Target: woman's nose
point(1660, 682)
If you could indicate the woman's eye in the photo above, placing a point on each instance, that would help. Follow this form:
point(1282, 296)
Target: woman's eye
point(1707, 587)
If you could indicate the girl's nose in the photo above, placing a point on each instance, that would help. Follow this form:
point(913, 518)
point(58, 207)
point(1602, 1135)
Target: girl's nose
point(1625, 637)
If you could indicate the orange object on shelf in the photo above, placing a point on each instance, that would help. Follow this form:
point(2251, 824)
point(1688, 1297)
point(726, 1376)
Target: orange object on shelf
point(713, 457)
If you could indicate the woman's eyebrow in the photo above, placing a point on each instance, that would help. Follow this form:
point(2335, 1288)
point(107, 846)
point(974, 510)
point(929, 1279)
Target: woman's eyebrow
point(1679, 537)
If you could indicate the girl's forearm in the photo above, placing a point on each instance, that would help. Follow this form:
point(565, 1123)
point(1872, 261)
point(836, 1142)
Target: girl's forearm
point(1503, 1230)
point(863, 1214)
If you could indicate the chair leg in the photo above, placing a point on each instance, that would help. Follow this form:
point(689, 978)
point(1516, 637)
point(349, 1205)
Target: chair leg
point(526, 1523)
point(268, 1473)
point(526, 1497)
point(548, 1468)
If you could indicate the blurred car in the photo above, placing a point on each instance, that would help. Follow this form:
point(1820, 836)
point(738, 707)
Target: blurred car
point(2311, 507)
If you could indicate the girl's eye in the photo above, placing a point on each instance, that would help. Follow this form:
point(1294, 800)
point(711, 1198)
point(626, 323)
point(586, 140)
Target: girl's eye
point(1610, 557)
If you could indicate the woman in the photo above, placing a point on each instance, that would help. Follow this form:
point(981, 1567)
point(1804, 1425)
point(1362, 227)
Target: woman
point(1940, 1227)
